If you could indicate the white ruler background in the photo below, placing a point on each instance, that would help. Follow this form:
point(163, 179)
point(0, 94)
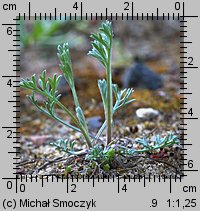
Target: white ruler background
point(105, 194)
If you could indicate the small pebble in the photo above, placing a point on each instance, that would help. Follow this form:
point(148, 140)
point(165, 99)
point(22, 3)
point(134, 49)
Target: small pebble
point(94, 122)
point(147, 113)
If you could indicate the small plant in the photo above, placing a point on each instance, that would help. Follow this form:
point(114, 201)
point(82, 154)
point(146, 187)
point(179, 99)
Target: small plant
point(159, 143)
point(42, 31)
point(47, 87)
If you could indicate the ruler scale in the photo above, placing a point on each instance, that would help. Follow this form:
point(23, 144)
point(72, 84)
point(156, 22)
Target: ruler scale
point(179, 192)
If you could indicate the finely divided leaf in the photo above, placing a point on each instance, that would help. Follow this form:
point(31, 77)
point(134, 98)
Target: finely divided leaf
point(101, 46)
point(65, 63)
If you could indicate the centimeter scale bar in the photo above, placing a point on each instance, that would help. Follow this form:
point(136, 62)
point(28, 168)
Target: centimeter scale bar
point(147, 16)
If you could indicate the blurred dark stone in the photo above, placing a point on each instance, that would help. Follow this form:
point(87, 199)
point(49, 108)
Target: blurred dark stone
point(94, 123)
point(63, 87)
point(141, 76)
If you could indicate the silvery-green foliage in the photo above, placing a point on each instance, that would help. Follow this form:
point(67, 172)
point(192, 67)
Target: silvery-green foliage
point(143, 141)
point(166, 140)
point(66, 65)
point(43, 85)
point(64, 145)
point(101, 46)
point(122, 96)
point(160, 142)
point(122, 99)
point(47, 87)
point(102, 51)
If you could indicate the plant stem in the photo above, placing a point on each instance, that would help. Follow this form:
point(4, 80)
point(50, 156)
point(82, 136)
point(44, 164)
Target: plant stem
point(75, 96)
point(61, 121)
point(87, 138)
point(101, 130)
point(109, 97)
point(105, 122)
